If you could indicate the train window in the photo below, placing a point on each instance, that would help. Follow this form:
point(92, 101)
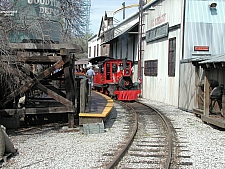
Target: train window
point(120, 66)
point(101, 69)
point(114, 68)
point(108, 74)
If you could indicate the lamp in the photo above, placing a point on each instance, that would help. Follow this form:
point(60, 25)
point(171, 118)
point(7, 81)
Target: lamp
point(213, 5)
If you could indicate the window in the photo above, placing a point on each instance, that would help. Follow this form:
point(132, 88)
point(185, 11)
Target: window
point(151, 68)
point(94, 51)
point(114, 68)
point(172, 57)
point(97, 49)
point(89, 52)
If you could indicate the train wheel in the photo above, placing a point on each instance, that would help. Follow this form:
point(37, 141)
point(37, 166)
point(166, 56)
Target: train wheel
point(125, 83)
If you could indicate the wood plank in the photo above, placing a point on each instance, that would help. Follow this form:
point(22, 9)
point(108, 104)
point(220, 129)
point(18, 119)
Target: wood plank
point(54, 89)
point(54, 95)
point(20, 90)
point(206, 96)
point(69, 85)
point(39, 59)
point(43, 46)
point(50, 110)
point(220, 122)
point(198, 111)
point(51, 69)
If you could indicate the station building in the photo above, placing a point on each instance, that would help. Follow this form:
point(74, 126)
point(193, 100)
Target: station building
point(181, 53)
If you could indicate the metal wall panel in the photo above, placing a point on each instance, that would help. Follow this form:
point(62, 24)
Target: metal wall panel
point(204, 27)
point(162, 87)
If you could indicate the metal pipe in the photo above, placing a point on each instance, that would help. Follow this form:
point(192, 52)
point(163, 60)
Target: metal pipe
point(123, 10)
point(140, 41)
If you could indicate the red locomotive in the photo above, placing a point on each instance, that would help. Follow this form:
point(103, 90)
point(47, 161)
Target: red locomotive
point(113, 77)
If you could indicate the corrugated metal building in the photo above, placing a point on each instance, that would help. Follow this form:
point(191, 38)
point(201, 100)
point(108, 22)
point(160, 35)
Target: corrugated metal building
point(178, 36)
point(178, 32)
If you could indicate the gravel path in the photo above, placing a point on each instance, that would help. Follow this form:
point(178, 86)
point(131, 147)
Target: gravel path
point(206, 144)
point(69, 150)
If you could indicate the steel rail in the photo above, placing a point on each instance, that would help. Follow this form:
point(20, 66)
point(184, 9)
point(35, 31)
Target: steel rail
point(170, 142)
point(115, 161)
point(119, 156)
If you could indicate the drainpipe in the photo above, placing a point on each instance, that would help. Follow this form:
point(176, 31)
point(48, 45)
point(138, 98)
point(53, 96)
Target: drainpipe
point(182, 52)
point(140, 43)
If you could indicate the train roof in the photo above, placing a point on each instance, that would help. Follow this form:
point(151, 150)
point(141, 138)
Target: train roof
point(101, 59)
point(98, 59)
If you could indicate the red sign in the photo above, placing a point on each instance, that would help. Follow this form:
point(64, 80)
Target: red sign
point(201, 48)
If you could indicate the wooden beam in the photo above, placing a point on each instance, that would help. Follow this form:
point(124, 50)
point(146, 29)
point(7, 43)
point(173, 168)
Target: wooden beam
point(20, 90)
point(66, 109)
point(44, 46)
point(32, 82)
point(54, 95)
point(206, 95)
point(69, 85)
point(51, 69)
point(46, 110)
point(56, 90)
point(39, 59)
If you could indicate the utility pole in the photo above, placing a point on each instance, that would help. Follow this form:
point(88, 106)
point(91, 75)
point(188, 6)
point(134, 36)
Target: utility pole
point(123, 10)
point(140, 74)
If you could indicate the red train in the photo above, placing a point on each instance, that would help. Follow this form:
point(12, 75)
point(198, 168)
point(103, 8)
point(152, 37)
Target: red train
point(113, 77)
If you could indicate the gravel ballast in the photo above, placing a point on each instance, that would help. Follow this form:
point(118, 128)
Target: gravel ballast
point(57, 149)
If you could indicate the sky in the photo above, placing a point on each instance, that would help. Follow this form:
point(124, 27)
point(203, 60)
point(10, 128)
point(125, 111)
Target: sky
point(98, 8)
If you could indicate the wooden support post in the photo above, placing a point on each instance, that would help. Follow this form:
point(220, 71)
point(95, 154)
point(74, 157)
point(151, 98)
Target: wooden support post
point(196, 104)
point(223, 104)
point(206, 96)
point(69, 84)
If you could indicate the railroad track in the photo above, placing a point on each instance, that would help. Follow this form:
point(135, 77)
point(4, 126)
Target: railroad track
point(150, 144)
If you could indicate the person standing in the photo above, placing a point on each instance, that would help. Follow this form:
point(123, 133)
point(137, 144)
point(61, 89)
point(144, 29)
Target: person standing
point(90, 73)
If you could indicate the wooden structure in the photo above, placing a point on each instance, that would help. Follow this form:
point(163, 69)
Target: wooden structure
point(209, 75)
point(50, 90)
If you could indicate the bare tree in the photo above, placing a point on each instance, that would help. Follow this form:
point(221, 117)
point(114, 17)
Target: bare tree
point(43, 21)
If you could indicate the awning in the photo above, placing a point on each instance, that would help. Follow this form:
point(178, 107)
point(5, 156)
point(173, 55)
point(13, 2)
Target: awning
point(127, 28)
point(214, 59)
point(120, 30)
point(196, 58)
point(210, 62)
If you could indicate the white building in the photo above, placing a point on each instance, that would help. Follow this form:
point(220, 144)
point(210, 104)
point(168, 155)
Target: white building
point(181, 45)
point(93, 47)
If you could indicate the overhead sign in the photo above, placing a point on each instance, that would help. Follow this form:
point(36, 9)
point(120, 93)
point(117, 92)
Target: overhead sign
point(47, 8)
point(157, 33)
point(201, 48)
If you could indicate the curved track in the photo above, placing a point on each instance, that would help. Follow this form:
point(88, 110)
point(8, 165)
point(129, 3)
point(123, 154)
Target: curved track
point(150, 144)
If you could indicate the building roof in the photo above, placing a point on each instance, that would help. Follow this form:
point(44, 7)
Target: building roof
point(210, 61)
point(214, 59)
point(121, 29)
point(108, 14)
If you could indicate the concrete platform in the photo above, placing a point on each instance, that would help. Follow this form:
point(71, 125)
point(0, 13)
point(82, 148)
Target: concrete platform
point(97, 110)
